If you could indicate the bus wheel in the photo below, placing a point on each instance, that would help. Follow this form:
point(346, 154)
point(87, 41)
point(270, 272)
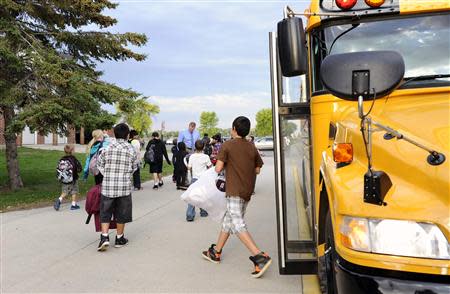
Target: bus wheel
point(327, 275)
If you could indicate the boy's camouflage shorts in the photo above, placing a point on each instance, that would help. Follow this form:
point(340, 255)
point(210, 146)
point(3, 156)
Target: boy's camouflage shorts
point(233, 221)
point(70, 189)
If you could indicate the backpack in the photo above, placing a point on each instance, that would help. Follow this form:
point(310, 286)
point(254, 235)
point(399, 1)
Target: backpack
point(221, 182)
point(64, 170)
point(92, 205)
point(149, 156)
point(93, 169)
point(208, 150)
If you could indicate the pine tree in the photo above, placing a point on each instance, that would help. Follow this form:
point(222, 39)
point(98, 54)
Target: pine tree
point(48, 76)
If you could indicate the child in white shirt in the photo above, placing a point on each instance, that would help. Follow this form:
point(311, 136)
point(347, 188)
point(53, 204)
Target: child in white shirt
point(198, 163)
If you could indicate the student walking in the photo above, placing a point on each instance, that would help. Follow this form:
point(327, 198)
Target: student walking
point(157, 148)
point(180, 166)
point(134, 141)
point(174, 151)
point(198, 163)
point(67, 173)
point(216, 145)
point(242, 163)
point(117, 164)
point(93, 150)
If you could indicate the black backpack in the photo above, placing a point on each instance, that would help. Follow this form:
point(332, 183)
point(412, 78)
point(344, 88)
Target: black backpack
point(207, 150)
point(149, 156)
point(64, 170)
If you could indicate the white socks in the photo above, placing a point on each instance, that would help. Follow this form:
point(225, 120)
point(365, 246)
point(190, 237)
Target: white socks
point(119, 236)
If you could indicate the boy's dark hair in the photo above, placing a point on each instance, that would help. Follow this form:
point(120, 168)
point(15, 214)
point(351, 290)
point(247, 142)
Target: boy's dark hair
point(199, 145)
point(217, 137)
point(242, 126)
point(133, 133)
point(205, 135)
point(181, 146)
point(155, 134)
point(175, 141)
point(121, 131)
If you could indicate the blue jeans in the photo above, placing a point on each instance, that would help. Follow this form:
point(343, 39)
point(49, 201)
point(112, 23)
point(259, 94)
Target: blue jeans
point(190, 212)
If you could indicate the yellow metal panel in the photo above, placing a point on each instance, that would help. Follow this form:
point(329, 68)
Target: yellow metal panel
point(313, 21)
point(421, 6)
point(420, 192)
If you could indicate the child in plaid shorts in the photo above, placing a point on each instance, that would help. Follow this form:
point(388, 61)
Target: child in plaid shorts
point(242, 163)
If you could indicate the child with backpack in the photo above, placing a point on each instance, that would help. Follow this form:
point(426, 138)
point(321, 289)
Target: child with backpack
point(93, 150)
point(67, 173)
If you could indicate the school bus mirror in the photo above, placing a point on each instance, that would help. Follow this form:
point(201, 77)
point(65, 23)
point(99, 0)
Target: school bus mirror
point(370, 74)
point(292, 47)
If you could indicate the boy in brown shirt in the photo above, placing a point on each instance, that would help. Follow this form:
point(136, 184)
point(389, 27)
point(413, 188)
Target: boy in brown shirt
point(242, 163)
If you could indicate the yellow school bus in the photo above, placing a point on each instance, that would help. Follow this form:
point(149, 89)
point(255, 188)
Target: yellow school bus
point(361, 120)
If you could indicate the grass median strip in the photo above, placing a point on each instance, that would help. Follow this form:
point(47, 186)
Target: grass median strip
point(38, 172)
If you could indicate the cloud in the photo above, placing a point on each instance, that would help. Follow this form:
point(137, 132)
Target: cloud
point(202, 56)
point(177, 112)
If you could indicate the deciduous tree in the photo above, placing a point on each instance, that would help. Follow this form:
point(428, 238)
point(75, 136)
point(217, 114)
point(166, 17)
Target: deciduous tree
point(138, 115)
point(264, 122)
point(208, 123)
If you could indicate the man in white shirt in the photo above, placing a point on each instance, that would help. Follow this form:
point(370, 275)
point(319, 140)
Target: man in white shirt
point(198, 163)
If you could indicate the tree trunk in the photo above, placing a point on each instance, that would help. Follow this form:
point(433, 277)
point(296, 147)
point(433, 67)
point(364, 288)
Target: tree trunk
point(12, 162)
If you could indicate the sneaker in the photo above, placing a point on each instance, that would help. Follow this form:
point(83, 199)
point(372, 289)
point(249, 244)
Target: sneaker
point(262, 262)
point(161, 183)
point(122, 241)
point(57, 204)
point(104, 243)
point(189, 219)
point(203, 214)
point(155, 187)
point(74, 207)
point(212, 255)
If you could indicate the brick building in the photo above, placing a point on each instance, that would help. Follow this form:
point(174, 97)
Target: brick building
point(33, 138)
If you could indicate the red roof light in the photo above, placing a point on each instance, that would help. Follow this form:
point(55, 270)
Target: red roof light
point(346, 4)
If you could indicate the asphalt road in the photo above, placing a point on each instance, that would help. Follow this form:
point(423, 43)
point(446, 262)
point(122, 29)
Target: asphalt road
point(43, 250)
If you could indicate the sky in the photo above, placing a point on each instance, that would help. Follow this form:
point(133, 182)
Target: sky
point(201, 56)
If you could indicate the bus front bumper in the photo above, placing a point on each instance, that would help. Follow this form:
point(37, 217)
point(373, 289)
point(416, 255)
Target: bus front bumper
point(356, 279)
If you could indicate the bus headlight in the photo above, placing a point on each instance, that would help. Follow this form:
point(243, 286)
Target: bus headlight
point(394, 237)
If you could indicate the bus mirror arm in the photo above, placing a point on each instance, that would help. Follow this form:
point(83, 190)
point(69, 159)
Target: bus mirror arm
point(376, 183)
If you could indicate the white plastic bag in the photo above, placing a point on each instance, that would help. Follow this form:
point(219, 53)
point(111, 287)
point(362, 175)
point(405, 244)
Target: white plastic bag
point(204, 194)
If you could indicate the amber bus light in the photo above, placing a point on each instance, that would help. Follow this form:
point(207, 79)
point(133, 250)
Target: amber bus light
point(374, 3)
point(343, 152)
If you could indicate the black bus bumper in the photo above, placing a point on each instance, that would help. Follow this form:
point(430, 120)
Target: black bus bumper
point(353, 279)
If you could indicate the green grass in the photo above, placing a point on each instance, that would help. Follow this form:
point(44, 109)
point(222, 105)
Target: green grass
point(38, 172)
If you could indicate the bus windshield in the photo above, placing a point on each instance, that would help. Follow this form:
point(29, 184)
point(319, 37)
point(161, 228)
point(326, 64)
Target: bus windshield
point(423, 42)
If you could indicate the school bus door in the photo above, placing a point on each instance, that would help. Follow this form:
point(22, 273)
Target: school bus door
point(292, 148)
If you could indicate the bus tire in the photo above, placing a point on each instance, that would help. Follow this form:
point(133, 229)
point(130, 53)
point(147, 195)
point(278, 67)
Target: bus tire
point(327, 275)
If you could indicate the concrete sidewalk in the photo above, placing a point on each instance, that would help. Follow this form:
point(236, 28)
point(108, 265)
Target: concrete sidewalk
point(43, 250)
point(60, 147)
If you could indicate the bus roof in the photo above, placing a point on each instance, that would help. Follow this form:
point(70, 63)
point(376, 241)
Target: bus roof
point(361, 9)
